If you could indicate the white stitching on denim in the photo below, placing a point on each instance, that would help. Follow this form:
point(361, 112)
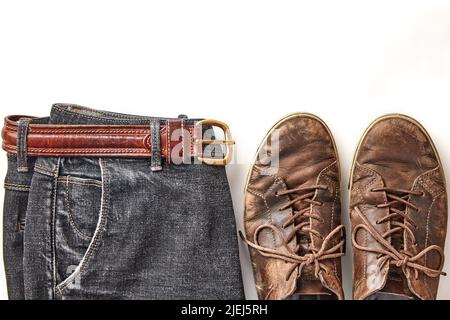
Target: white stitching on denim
point(53, 227)
point(80, 181)
point(16, 187)
point(70, 211)
point(68, 108)
point(98, 234)
point(84, 184)
point(79, 114)
point(45, 171)
point(22, 157)
point(117, 117)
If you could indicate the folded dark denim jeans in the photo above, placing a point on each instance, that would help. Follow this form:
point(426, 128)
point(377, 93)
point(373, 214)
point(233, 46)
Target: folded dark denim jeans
point(110, 228)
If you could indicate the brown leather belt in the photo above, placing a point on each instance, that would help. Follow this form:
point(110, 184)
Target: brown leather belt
point(116, 140)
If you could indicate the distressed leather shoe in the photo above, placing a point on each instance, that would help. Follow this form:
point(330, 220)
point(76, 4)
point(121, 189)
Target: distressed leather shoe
point(293, 212)
point(398, 209)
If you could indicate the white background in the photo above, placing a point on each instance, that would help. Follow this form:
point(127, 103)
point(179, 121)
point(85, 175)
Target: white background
point(248, 63)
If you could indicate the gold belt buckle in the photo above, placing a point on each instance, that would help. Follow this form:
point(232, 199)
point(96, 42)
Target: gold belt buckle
point(200, 142)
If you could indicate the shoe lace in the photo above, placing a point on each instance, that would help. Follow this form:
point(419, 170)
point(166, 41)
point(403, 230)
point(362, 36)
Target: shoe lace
point(314, 256)
point(398, 202)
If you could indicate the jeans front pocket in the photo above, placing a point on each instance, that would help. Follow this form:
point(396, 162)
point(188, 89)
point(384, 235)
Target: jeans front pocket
point(80, 220)
point(81, 199)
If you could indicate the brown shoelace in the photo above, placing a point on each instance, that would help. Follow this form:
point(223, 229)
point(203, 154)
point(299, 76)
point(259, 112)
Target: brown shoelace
point(403, 259)
point(315, 256)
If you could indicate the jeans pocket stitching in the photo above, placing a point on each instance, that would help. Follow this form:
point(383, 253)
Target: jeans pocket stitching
point(70, 213)
point(98, 234)
point(16, 187)
point(80, 181)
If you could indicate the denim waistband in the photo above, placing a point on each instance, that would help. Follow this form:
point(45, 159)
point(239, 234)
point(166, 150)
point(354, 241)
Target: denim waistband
point(63, 113)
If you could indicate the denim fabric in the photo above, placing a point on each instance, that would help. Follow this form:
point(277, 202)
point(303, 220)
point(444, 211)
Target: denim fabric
point(17, 187)
point(111, 228)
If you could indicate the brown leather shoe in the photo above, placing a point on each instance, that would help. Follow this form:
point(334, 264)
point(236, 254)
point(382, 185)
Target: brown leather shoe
point(293, 212)
point(398, 210)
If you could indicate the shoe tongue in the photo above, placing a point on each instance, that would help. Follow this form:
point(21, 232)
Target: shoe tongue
point(397, 238)
point(307, 285)
point(397, 285)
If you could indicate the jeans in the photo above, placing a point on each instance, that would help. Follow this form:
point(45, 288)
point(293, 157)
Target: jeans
point(110, 228)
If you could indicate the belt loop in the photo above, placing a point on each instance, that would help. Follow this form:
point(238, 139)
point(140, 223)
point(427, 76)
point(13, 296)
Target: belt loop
point(183, 141)
point(186, 138)
point(176, 142)
point(155, 133)
point(22, 148)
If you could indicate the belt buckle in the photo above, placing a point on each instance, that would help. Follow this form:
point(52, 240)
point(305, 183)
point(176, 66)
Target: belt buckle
point(200, 142)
